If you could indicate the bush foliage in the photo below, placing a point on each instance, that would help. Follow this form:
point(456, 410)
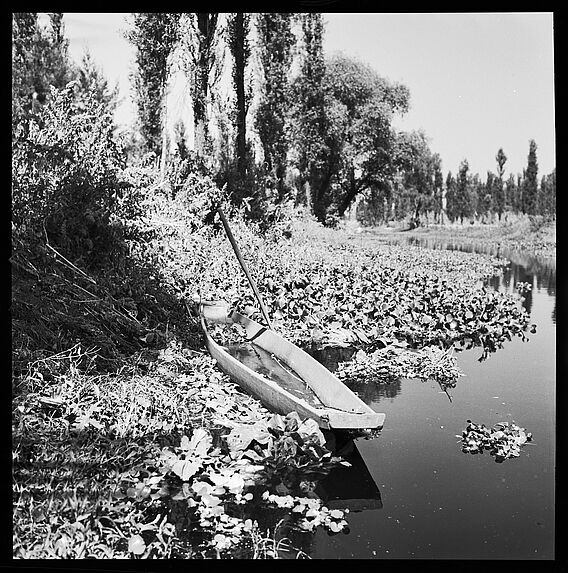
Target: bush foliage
point(66, 177)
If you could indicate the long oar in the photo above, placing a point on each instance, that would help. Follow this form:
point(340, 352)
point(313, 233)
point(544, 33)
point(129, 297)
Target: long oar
point(243, 264)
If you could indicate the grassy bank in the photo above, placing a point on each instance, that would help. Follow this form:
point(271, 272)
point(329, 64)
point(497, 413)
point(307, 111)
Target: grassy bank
point(128, 442)
point(532, 235)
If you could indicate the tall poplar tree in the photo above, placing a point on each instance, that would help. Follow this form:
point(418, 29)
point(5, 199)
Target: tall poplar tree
point(308, 125)
point(484, 193)
point(40, 59)
point(238, 26)
point(451, 210)
point(93, 83)
point(58, 67)
point(530, 183)
point(462, 198)
point(498, 190)
point(203, 59)
point(24, 31)
point(548, 195)
point(438, 187)
point(154, 37)
point(512, 194)
point(521, 191)
point(275, 43)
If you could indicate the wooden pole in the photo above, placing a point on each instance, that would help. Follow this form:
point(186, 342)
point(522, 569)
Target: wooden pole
point(243, 265)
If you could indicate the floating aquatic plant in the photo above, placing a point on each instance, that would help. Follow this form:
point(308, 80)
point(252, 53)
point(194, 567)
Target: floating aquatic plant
point(503, 441)
point(421, 297)
point(285, 454)
point(395, 361)
point(310, 512)
point(523, 287)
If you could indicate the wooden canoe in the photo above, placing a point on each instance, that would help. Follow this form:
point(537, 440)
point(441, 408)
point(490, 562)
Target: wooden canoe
point(283, 376)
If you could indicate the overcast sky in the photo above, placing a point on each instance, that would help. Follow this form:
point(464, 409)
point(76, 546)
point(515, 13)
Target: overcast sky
point(477, 81)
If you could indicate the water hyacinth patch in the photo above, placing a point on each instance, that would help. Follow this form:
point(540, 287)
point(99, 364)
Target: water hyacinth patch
point(523, 287)
point(309, 513)
point(322, 288)
point(503, 441)
point(217, 485)
point(289, 452)
point(395, 361)
point(373, 298)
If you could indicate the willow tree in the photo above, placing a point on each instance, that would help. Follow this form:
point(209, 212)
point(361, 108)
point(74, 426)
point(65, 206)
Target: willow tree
point(360, 140)
point(419, 173)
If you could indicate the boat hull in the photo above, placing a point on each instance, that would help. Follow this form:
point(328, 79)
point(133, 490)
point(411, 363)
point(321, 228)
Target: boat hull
point(338, 408)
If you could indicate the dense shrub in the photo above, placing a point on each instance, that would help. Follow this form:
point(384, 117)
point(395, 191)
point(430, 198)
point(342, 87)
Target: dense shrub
point(183, 166)
point(82, 249)
point(66, 176)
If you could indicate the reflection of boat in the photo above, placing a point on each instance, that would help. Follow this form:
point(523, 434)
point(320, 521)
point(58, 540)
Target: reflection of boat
point(351, 487)
point(283, 376)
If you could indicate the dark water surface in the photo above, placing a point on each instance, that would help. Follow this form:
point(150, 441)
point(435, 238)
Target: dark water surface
point(437, 502)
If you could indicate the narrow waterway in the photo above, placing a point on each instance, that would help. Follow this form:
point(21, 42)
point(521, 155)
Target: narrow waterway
point(440, 503)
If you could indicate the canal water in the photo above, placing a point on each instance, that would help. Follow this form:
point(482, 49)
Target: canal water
point(437, 502)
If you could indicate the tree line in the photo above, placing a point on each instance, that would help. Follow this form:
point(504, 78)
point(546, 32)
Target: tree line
point(296, 124)
point(467, 196)
point(422, 193)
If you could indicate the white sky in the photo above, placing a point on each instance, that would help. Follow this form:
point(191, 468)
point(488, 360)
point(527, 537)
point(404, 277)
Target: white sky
point(477, 81)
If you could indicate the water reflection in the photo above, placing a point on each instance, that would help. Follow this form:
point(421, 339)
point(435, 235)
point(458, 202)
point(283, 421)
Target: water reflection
point(508, 281)
point(331, 356)
point(377, 392)
point(345, 487)
point(352, 487)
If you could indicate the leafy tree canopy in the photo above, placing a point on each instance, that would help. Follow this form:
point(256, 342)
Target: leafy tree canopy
point(360, 139)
